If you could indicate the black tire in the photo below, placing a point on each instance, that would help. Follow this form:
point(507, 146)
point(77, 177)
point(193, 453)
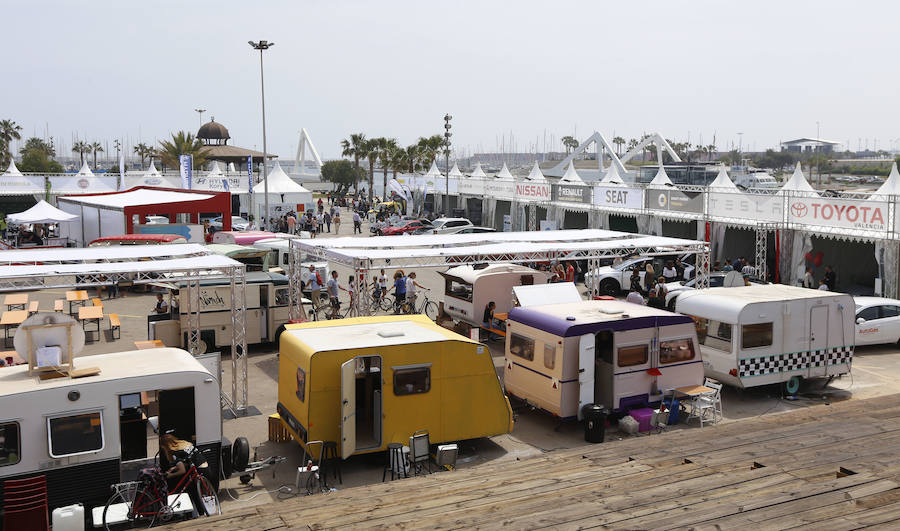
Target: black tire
point(379, 233)
point(226, 468)
point(240, 454)
point(246, 479)
point(206, 493)
point(431, 310)
point(671, 305)
point(609, 286)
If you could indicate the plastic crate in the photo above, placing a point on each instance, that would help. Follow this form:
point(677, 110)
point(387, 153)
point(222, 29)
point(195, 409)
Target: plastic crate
point(643, 416)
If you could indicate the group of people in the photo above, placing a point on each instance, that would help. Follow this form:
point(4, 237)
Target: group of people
point(406, 289)
point(740, 265)
point(826, 283)
point(562, 272)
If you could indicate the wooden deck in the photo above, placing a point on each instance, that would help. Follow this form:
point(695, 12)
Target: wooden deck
point(822, 467)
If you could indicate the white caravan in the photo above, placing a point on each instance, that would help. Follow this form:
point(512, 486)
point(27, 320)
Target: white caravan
point(561, 357)
point(280, 256)
point(769, 334)
point(87, 433)
point(468, 290)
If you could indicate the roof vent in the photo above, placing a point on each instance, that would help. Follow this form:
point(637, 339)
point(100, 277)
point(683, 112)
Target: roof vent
point(391, 333)
point(610, 311)
point(570, 318)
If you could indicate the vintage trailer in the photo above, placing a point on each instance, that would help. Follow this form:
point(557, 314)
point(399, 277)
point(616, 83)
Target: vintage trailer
point(369, 381)
point(772, 334)
point(561, 357)
point(87, 433)
point(241, 237)
point(468, 290)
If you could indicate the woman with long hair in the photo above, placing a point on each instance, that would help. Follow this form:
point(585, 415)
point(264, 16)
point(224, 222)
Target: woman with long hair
point(179, 455)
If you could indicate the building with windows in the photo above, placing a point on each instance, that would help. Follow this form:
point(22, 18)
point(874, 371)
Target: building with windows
point(809, 145)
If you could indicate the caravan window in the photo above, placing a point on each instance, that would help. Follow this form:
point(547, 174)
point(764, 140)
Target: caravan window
point(715, 334)
point(756, 335)
point(676, 350)
point(282, 297)
point(76, 434)
point(549, 355)
point(633, 355)
point(414, 380)
point(521, 346)
point(458, 289)
point(10, 444)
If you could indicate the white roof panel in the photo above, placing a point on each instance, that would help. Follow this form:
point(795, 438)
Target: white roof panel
point(726, 304)
point(448, 240)
point(143, 196)
point(380, 334)
point(120, 252)
point(540, 294)
point(194, 263)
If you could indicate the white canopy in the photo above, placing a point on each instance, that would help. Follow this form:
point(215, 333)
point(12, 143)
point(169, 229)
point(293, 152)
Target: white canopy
point(536, 175)
point(280, 183)
point(142, 196)
point(504, 174)
point(571, 176)
point(12, 170)
point(612, 176)
point(797, 182)
point(891, 185)
point(661, 179)
point(215, 171)
point(722, 181)
point(152, 171)
point(43, 212)
point(478, 172)
point(433, 170)
point(85, 170)
point(454, 171)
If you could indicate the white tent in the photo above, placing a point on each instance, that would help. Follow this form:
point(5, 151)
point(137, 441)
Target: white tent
point(454, 171)
point(797, 182)
point(891, 185)
point(152, 171)
point(504, 174)
point(478, 173)
point(85, 170)
point(661, 179)
point(612, 177)
point(571, 176)
point(231, 168)
point(282, 189)
point(722, 182)
point(12, 170)
point(536, 175)
point(42, 212)
point(433, 171)
point(215, 171)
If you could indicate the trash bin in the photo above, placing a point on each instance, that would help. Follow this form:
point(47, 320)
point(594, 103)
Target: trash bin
point(594, 422)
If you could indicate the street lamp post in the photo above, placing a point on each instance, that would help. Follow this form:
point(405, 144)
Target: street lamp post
point(261, 46)
point(200, 112)
point(447, 135)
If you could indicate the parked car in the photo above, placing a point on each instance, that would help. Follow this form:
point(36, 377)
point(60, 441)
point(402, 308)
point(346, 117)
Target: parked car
point(877, 320)
point(403, 227)
point(470, 230)
point(157, 220)
point(446, 225)
point(237, 223)
point(717, 279)
point(616, 278)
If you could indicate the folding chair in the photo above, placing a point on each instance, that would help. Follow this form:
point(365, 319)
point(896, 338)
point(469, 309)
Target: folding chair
point(419, 447)
point(708, 403)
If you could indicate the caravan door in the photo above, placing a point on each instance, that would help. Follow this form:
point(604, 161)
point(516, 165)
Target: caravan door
point(818, 341)
point(348, 408)
point(585, 371)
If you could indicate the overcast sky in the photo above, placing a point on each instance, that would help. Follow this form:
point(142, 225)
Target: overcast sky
point(106, 70)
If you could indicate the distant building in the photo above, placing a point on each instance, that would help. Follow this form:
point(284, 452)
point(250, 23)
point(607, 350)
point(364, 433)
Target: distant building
point(215, 143)
point(809, 145)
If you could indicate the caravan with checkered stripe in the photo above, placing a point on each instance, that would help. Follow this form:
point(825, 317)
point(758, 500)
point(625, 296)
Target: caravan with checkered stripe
point(767, 334)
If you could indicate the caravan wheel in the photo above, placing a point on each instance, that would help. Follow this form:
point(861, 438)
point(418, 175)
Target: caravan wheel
point(792, 386)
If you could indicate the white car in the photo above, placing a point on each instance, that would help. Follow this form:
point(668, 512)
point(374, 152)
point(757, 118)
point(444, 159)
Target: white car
point(877, 320)
point(616, 278)
point(157, 220)
point(449, 225)
point(237, 223)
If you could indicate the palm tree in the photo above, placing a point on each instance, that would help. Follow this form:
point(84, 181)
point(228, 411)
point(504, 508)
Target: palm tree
point(397, 159)
point(711, 150)
point(81, 148)
point(143, 150)
point(386, 146)
point(633, 143)
point(570, 143)
point(96, 148)
point(9, 131)
point(369, 150)
point(429, 148)
point(619, 142)
point(182, 143)
point(412, 155)
point(353, 148)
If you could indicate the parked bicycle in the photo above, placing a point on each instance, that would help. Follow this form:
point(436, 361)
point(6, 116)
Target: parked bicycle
point(423, 305)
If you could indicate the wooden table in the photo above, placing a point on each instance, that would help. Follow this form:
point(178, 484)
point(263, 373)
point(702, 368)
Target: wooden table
point(11, 319)
point(16, 301)
point(693, 390)
point(501, 316)
point(12, 355)
point(87, 314)
point(152, 343)
point(76, 298)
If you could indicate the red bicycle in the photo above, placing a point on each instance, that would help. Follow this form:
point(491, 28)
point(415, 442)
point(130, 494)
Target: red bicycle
point(145, 504)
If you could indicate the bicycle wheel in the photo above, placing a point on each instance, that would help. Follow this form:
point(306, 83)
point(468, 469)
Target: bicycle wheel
point(431, 310)
point(387, 303)
point(209, 500)
point(121, 512)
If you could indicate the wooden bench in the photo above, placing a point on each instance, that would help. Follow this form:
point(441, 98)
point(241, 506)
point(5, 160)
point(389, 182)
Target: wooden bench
point(32, 307)
point(115, 326)
point(59, 305)
point(501, 333)
point(97, 302)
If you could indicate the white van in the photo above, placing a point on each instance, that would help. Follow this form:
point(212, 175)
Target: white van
point(561, 357)
point(772, 333)
point(88, 433)
point(468, 289)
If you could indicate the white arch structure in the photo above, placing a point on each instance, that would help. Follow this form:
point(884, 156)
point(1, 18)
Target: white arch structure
point(599, 140)
point(300, 159)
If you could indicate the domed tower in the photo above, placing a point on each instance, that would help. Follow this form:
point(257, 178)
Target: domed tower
point(213, 134)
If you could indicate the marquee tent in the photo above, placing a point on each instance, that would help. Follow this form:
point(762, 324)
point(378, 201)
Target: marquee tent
point(12, 170)
point(536, 176)
point(797, 182)
point(661, 179)
point(282, 190)
point(42, 212)
point(478, 173)
point(504, 174)
point(722, 182)
point(612, 177)
point(571, 176)
point(891, 185)
point(454, 172)
point(85, 170)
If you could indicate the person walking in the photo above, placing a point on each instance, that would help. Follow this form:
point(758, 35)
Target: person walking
point(399, 290)
point(412, 289)
point(327, 217)
point(320, 222)
point(291, 223)
point(334, 287)
point(357, 223)
point(381, 283)
point(337, 222)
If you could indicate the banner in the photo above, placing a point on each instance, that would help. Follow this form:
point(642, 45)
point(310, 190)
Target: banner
point(532, 191)
point(185, 163)
point(22, 185)
point(674, 200)
point(130, 181)
point(573, 193)
point(471, 186)
point(618, 197)
point(233, 184)
point(503, 190)
point(862, 214)
point(507, 223)
point(74, 184)
point(192, 233)
point(250, 175)
point(759, 207)
point(121, 172)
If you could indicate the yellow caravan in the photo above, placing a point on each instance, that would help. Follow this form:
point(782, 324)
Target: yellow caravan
point(370, 381)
